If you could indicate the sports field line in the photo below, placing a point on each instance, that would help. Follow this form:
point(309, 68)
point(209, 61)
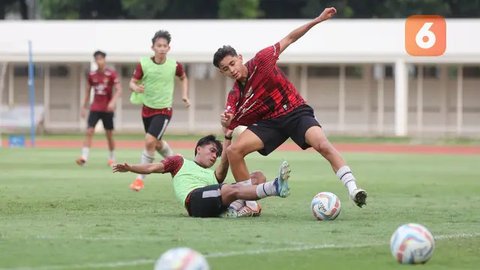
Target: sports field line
point(138, 262)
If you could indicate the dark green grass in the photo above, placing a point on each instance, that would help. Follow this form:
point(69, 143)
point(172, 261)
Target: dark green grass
point(56, 215)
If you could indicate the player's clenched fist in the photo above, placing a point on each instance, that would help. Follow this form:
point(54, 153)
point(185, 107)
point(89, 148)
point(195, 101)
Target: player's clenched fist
point(327, 14)
point(226, 119)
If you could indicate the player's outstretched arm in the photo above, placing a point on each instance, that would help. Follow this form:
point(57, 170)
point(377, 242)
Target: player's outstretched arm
point(139, 168)
point(300, 31)
point(222, 169)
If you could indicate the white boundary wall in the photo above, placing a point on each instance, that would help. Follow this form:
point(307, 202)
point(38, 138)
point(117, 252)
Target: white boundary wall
point(403, 104)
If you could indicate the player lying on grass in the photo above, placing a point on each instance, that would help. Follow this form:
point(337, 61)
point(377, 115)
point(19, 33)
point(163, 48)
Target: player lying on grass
point(201, 189)
point(264, 99)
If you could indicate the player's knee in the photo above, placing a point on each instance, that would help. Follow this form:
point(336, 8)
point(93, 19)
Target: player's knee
point(90, 131)
point(234, 151)
point(230, 152)
point(257, 177)
point(150, 144)
point(229, 192)
point(322, 146)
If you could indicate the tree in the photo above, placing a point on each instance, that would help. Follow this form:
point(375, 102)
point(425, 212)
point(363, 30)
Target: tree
point(371, 8)
point(273, 9)
point(464, 9)
point(83, 9)
point(239, 9)
point(191, 9)
point(14, 5)
point(128, 9)
point(104, 9)
point(143, 9)
point(234, 9)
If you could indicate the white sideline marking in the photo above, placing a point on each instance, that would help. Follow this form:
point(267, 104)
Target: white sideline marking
point(454, 236)
point(226, 254)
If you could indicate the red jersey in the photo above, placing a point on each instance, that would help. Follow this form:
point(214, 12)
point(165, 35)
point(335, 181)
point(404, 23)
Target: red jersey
point(147, 111)
point(266, 94)
point(102, 83)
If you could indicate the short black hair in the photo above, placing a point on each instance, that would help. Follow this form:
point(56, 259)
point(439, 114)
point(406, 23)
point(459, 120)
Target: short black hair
point(209, 140)
point(222, 52)
point(97, 53)
point(162, 34)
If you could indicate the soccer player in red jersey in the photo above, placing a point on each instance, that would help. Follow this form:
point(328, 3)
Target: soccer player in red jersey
point(103, 80)
point(264, 99)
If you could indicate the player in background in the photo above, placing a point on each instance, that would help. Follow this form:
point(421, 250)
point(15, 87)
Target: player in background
point(264, 99)
point(201, 189)
point(103, 80)
point(153, 83)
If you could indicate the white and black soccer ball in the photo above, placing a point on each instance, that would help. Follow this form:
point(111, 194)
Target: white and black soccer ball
point(181, 258)
point(326, 206)
point(412, 244)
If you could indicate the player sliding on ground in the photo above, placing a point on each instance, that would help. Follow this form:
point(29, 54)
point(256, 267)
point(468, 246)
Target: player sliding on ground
point(152, 84)
point(264, 99)
point(201, 190)
point(103, 80)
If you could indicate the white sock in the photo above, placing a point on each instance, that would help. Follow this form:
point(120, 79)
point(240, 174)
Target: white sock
point(252, 204)
point(346, 176)
point(266, 189)
point(236, 205)
point(146, 158)
point(111, 155)
point(247, 182)
point(165, 151)
point(85, 152)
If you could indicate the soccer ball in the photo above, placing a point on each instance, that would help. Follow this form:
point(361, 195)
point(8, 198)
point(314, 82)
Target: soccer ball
point(411, 244)
point(326, 206)
point(181, 259)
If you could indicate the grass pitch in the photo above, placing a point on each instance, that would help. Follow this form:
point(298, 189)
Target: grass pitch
point(56, 215)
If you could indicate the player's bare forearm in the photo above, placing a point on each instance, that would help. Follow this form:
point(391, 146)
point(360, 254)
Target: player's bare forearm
point(222, 169)
point(184, 81)
point(86, 100)
point(134, 86)
point(300, 31)
point(184, 86)
point(118, 93)
point(142, 168)
point(139, 168)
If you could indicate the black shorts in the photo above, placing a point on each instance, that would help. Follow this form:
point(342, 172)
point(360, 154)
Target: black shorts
point(274, 132)
point(205, 202)
point(156, 125)
point(107, 119)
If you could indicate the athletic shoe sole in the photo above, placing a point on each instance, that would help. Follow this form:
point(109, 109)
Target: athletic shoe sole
point(283, 175)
